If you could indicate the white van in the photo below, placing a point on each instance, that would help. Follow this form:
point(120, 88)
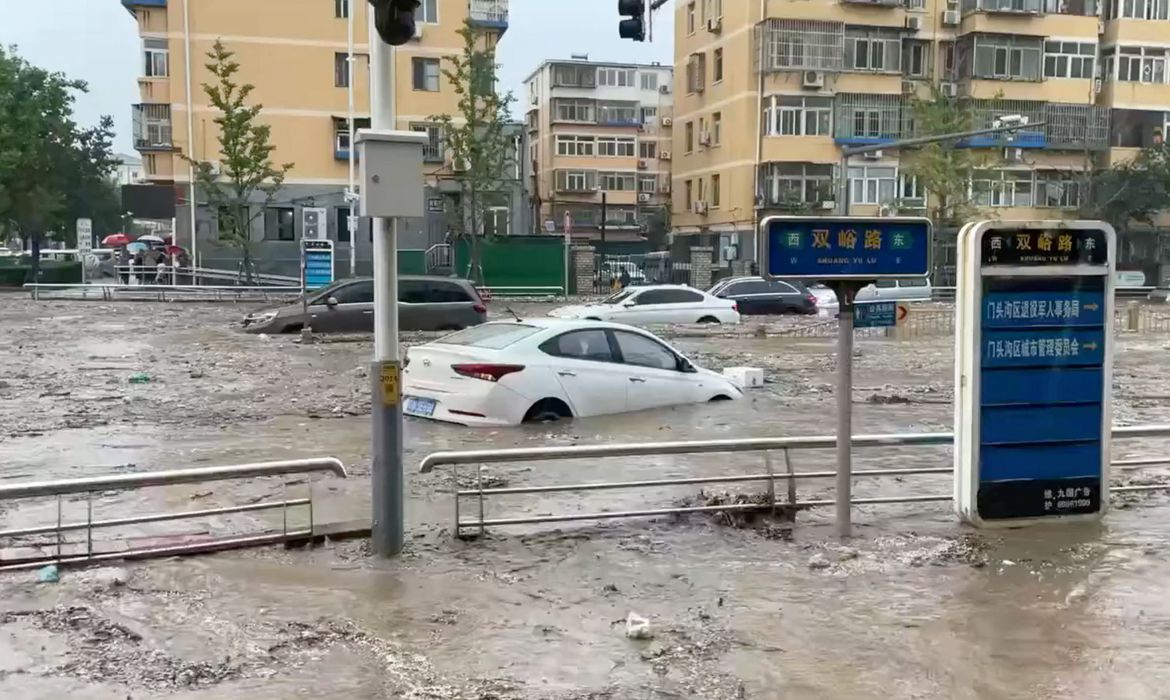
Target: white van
point(905, 289)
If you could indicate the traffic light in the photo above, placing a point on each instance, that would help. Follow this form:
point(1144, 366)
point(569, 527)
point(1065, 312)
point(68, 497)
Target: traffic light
point(394, 20)
point(633, 24)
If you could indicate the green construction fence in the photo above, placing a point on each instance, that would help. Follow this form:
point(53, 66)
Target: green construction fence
point(517, 265)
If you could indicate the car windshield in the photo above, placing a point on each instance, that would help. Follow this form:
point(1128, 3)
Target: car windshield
point(619, 297)
point(493, 336)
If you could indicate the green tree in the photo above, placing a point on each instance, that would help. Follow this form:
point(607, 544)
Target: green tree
point(1130, 193)
point(244, 175)
point(51, 170)
point(477, 140)
point(943, 170)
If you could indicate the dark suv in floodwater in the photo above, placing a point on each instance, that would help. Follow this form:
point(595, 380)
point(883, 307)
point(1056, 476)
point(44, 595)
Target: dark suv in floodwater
point(424, 304)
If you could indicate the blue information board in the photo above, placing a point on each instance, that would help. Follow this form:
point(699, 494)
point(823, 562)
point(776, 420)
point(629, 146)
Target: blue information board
point(875, 314)
point(845, 248)
point(1042, 356)
point(318, 263)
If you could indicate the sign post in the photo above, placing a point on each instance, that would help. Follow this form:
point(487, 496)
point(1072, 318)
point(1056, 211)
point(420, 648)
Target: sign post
point(847, 253)
point(84, 244)
point(1033, 371)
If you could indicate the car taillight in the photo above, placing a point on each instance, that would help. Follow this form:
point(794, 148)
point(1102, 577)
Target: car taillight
point(480, 309)
point(486, 372)
point(735, 306)
point(811, 299)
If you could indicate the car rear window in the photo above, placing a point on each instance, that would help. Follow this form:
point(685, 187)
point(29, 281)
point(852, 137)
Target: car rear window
point(493, 336)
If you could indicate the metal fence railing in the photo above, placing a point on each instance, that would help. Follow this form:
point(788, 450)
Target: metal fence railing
point(787, 477)
point(160, 292)
point(33, 552)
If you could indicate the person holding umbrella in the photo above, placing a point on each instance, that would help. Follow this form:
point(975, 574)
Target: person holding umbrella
point(120, 241)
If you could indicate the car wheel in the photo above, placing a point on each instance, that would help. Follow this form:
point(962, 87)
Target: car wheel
point(719, 397)
point(547, 411)
point(592, 318)
point(292, 328)
point(708, 319)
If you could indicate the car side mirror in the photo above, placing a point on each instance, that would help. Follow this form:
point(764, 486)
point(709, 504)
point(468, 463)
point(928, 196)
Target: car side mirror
point(629, 303)
point(685, 366)
point(331, 302)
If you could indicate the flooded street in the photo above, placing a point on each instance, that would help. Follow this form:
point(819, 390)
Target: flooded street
point(914, 606)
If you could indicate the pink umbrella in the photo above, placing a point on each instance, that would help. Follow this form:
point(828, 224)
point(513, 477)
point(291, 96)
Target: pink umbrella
point(116, 239)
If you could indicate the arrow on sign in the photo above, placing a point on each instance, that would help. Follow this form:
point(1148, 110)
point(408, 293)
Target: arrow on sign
point(1090, 346)
point(1092, 307)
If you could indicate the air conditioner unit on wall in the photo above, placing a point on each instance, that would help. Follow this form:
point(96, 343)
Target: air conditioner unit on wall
point(715, 24)
point(664, 155)
point(950, 18)
point(813, 79)
point(418, 31)
point(949, 89)
point(699, 207)
point(705, 138)
point(914, 23)
point(643, 197)
point(667, 121)
point(1013, 155)
point(873, 155)
point(664, 89)
point(642, 165)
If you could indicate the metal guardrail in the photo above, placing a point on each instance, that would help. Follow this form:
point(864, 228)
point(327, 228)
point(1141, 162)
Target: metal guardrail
point(948, 293)
point(163, 292)
point(785, 445)
point(116, 482)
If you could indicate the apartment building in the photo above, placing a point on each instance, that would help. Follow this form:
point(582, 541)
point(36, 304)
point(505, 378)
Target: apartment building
point(774, 90)
point(295, 53)
point(599, 140)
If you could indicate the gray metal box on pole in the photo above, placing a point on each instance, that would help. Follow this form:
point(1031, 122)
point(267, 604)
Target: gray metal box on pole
point(391, 173)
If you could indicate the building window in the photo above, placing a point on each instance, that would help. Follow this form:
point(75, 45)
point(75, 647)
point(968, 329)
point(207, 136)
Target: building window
point(915, 61)
point(341, 215)
point(717, 66)
point(792, 115)
point(341, 139)
point(576, 180)
point(690, 136)
point(575, 110)
point(715, 194)
point(280, 224)
point(617, 182)
point(616, 147)
point(696, 72)
point(689, 191)
point(870, 50)
point(647, 184)
point(615, 77)
point(717, 128)
point(571, 145)
point(341, 8)
point(1002, 188)
point(649, 81)
point(648, 150)
point(946, 55)
point(1136, 64)
point(1069, 59)
point(156, 63)
point(910, 191)
point(1137, 9)
point(1061, 190)
point(426, 74)
point(998, 57)
point(649, 114)
point(795, 184)
point(797, 44)
point(627, 114)
point(427, 12)
point(712, 9)
point(340, 70)
point(872, 184)
point(691, 17)
point(433, 150)
point(574, 76)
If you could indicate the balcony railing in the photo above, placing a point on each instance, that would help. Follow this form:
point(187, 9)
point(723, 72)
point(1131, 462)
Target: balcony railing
point(151, 127)
point(492, 14)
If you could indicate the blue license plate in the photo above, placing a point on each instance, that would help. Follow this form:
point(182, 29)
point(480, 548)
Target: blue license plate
point(419, 407)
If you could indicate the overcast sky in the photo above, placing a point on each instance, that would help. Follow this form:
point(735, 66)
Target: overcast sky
point(97, 41)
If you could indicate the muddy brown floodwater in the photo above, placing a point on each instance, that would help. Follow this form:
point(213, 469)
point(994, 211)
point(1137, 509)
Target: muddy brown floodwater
point(914, 606)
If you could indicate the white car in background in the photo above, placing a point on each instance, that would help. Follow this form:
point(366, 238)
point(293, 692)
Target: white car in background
point(663, 303)
point(827, 304)
point(908, 289)
point(512, 372)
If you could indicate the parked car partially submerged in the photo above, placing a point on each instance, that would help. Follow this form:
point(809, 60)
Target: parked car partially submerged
point(347, 306)
point(544, 369)
point(664, 303)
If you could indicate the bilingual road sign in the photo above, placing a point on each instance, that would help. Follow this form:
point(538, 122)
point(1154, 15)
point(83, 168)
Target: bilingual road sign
point(317, 263)
point(845, 248)
point(84, 237)
point(1034, 355)
point(875, 314)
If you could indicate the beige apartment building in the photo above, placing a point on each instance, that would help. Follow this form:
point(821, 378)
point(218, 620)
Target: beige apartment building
point(774, 89)
point(295, 53)
point(599, 146)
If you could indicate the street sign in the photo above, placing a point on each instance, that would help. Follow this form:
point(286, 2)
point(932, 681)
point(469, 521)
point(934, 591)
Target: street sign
point(845, 248)
point(1034, 355)
point(317, 263)
point(875, 314)
point(84, 237)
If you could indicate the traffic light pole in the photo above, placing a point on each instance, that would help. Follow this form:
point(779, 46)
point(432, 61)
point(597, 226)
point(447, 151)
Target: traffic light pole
point(388, 499)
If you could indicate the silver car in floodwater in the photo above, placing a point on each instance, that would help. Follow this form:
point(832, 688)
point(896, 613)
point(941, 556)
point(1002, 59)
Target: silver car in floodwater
point(424, 304)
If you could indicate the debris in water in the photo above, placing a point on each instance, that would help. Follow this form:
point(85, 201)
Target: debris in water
point(48, 574)
point(818, 561)
point(140, 378)
point(638, 627)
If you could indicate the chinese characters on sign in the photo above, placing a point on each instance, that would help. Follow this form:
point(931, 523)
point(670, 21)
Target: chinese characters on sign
point(1044, 247)
point(1034, 309)
point(864, 249)
point(1039, 348)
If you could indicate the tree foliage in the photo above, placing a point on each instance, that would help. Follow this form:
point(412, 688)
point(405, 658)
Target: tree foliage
point(944, 170)
point(51, 170)
point(1133, 192)
point(244, 174)
point(477, 139)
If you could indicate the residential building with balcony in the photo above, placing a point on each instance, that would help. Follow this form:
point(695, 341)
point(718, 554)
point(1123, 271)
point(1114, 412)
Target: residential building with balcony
point(295, 53)
point(599, 139)
point(801, 81)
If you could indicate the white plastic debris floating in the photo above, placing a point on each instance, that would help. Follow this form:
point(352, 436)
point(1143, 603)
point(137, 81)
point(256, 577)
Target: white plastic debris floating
point(747, 377)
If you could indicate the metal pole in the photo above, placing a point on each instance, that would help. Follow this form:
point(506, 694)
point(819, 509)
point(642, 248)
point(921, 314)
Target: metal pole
point(844, 495)
point(604, 214)
point(351, 12)
point(190, 116)
point(387, 498)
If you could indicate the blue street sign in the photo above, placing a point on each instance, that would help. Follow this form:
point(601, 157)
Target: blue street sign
point(845, 248)
point(875, 314)
point(318, 262)
point(1032, 438)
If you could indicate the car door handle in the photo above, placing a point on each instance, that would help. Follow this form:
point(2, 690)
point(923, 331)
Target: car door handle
point(369, 313)
point(567, 373)
point(637, 380)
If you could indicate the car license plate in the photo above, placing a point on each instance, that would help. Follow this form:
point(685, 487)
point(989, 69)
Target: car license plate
point(420, 407)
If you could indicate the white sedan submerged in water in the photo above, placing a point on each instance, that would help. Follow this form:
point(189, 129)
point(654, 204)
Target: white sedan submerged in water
point(511, 372)
point(663, 303)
